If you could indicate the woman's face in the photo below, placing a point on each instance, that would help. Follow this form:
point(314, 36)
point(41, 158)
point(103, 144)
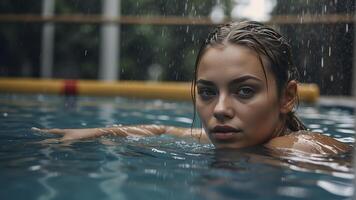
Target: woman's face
point(237, 105)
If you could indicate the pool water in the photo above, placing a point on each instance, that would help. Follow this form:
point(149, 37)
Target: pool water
point(160, 167)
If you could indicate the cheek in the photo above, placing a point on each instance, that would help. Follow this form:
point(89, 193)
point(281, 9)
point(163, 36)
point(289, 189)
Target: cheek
point(261, 114)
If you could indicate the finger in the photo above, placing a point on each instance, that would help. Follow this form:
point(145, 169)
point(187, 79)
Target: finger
point(40, 130)
point(52, 131)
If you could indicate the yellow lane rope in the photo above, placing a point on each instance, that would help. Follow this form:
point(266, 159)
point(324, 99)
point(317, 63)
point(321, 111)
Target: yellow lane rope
point(137, 89)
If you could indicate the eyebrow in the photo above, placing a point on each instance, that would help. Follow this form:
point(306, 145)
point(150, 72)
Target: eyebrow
point(205, 82)
point(235, 81)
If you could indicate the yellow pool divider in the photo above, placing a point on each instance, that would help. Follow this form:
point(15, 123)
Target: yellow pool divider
point(137, 89)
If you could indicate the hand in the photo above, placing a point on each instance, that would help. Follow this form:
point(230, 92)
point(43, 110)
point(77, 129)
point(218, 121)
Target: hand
point(71, 134)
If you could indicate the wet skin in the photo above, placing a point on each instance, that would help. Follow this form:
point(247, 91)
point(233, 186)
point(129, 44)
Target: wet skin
point(236, 101)
point(238, 105)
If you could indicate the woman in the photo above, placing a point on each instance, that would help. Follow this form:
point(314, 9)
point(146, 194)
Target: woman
point(244, 91)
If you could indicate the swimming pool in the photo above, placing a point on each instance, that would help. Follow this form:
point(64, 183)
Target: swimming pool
point(161, 167)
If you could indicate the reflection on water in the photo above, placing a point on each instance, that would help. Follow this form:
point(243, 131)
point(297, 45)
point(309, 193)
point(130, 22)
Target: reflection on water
point(162, 167)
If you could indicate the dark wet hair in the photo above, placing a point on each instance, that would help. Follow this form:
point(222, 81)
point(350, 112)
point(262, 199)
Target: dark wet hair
point(268, 44)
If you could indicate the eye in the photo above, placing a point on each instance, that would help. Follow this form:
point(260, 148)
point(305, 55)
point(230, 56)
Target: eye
point(245, 92)
point(206, 93)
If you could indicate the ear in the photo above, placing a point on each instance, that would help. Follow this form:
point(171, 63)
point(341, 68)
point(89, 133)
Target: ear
point(289, 97)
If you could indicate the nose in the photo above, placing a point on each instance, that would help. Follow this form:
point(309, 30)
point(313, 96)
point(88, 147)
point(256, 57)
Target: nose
point(223, 109)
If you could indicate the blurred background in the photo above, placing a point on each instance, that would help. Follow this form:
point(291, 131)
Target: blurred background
point(159, 39)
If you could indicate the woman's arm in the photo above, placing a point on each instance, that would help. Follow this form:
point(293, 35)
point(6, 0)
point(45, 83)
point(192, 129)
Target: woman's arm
point(123, 131)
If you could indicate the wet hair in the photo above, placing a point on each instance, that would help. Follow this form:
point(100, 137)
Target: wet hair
point(272, 50)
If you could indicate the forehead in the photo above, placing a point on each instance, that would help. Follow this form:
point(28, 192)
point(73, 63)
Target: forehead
point(229, 61)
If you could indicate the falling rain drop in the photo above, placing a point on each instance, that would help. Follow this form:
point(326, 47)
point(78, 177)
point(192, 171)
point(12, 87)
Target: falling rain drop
point(322, 62)
point(347, 28)
point(195, 10)
point(329, 51)
point(85, 52)
point(331, 78)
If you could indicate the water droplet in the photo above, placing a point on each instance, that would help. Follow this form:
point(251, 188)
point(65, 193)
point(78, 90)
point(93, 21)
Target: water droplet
point(34, 167)
point(322, 62)
point(93, 175)
point(85, 52)
point(331, 78)
point(150, 171)
point(329, 51)
point(347, 28)
point(5, 114)
point(314, 126)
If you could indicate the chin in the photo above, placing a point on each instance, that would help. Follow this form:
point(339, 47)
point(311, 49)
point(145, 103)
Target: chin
point(230, 146)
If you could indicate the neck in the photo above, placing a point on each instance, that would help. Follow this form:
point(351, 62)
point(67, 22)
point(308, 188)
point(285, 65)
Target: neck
point(281, 129)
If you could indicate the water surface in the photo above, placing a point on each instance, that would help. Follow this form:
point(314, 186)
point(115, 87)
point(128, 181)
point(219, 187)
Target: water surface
point(160, 167)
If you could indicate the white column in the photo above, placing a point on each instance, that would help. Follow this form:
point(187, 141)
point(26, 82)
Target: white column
point(110, 40)
point(354, 98)
point(47, 40)
point(353, 94)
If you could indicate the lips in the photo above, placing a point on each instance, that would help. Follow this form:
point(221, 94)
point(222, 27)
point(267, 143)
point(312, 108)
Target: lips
point(224, 132)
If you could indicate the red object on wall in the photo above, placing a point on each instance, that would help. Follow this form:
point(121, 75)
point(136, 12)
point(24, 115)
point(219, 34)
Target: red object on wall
point(70, 87)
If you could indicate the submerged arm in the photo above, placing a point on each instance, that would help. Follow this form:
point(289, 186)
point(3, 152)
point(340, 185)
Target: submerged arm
point(123, 131)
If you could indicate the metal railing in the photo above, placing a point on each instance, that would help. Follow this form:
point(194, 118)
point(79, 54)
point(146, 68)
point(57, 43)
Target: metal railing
point(169, 20)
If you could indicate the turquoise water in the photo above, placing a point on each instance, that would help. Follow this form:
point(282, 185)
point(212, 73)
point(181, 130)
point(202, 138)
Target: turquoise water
point(161, 167)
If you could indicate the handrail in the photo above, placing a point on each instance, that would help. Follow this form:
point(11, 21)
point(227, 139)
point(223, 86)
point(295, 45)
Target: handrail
point(169, 20)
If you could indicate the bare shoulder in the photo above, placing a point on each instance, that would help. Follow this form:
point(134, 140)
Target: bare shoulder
point(308, 142)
